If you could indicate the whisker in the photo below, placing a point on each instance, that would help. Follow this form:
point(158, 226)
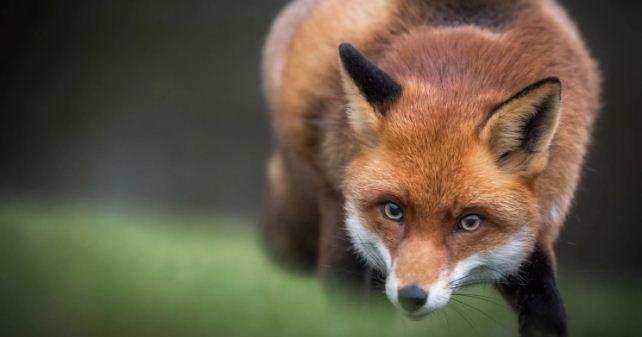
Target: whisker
point(479, 297)
point(466, 320)
point(463, 281)
point(481, 312)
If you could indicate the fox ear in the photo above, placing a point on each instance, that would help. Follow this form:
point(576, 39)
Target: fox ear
point(368, 91)
point(520, 130)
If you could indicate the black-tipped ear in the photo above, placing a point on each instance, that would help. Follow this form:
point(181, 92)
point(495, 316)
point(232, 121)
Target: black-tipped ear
point(375, 85)
point(520, 130)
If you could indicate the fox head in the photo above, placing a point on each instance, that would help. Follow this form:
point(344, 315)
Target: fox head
point(439, 194)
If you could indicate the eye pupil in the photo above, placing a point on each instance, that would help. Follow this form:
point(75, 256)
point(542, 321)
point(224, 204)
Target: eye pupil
point(392, 211)
point(470, 222)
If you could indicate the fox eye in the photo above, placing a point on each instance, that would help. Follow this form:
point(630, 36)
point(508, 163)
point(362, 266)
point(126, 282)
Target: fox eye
point(392, 211)
point(469, 223)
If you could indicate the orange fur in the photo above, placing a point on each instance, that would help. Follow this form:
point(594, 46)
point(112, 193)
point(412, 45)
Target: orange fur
point(430, 152)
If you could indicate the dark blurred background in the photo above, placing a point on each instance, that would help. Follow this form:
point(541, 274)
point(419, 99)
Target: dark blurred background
point(159, 103)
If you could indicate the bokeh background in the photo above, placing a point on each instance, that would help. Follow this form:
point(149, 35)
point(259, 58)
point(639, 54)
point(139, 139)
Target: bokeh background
point(134, 131)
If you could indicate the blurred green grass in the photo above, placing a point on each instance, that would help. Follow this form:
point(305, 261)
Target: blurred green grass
point(88, 271)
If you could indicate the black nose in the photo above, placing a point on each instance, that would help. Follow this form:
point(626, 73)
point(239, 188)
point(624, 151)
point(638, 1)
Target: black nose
point(411, 298)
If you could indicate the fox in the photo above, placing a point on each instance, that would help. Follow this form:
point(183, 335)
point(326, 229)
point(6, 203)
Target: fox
point(431, 144)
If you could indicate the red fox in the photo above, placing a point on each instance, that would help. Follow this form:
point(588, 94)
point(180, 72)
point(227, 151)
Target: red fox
point(436, 143)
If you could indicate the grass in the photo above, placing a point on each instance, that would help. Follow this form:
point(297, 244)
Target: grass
point(78, 271)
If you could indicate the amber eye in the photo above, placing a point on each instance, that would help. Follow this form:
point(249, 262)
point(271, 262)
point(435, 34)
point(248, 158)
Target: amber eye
point(469, 223)
point(392, 211)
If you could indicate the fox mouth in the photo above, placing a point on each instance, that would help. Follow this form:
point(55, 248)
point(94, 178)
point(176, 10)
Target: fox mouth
point(419, 315)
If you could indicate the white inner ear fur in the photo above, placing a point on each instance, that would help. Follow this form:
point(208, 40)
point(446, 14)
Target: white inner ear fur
point(505, 131)
point(363, 118)
point(367, 244)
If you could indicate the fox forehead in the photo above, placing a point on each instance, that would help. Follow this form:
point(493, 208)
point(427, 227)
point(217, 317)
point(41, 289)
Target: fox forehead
point(438, 118)
point(430, 138)
point(436, 175)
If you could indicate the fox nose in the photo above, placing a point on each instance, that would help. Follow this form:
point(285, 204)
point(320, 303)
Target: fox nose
point(412, 298)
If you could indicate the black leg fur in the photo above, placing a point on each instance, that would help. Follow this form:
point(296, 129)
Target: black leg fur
point(535, 297)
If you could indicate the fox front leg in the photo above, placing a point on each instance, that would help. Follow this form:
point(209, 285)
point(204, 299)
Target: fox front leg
point(534, 295)
point(338, 264)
